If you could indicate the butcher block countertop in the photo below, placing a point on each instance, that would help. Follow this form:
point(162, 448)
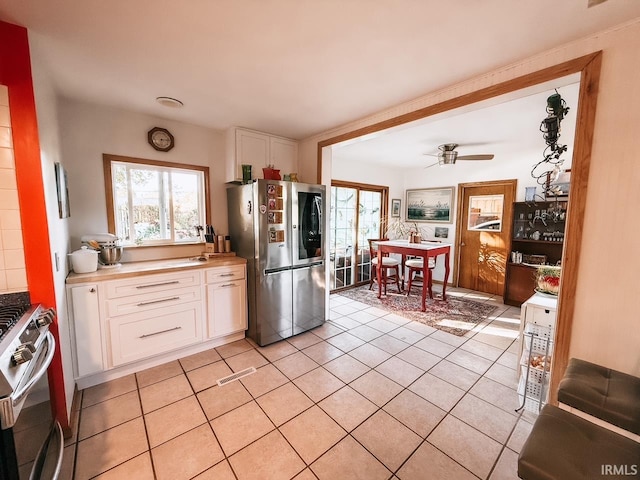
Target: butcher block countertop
point(133, 269)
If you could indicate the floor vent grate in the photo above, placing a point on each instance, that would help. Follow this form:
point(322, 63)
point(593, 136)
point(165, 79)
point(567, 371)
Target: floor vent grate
point(230, 378)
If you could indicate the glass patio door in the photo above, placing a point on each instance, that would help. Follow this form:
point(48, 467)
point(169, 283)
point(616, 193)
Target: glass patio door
point(356, 216)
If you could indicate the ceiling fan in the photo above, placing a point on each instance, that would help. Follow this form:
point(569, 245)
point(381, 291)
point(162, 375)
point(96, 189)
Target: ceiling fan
point(448, 155)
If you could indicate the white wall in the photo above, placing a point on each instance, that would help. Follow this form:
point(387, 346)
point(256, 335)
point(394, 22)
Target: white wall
point(89, 130)
point(605, 325)
point(356, 172)
point(49, 135)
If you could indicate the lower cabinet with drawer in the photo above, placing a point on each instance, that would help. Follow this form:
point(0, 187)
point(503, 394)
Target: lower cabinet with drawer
point(124, 325)
point(226, 300)
point(139, 335)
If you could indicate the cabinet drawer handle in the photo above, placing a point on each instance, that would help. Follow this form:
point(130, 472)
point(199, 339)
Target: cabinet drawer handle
point(228, 285)
point(158, 284)
point(226, 275)
point(142, 304)
point(158, 333)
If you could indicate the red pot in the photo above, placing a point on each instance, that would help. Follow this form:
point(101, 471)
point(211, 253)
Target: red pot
point(271, 174)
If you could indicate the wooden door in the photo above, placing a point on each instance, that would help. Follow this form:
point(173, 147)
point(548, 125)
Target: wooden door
point(484, 231)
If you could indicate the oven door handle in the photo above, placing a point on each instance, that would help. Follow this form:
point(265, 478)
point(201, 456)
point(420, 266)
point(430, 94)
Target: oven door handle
point(48, 462)
point(51, 343)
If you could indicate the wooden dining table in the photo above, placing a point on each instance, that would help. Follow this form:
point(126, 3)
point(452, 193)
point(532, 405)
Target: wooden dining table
point(424, 250)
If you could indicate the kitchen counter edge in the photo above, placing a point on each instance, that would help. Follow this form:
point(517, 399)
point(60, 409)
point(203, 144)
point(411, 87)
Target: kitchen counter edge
point(133, 269)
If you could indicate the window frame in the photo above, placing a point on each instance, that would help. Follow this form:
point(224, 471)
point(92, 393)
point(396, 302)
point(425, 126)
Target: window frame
point(107, 162)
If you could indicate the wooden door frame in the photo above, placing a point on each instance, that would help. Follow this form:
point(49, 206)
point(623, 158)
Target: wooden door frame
point(384, 213)
point(589, 68)
point(506, 220)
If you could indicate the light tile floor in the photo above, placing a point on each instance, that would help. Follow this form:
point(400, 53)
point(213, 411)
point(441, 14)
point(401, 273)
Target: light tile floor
point(368, 395)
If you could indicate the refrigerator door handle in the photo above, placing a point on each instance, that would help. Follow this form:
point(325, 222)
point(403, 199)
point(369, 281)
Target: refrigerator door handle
point(249, 207)
point(310, 265)
point(271, 271)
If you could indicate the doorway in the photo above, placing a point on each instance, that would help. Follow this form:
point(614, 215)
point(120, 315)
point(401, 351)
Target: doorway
point(357, 213)
point(484, 229)
point(588, 66)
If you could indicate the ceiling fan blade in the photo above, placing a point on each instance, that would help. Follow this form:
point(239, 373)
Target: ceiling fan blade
point(593, 3)
point(432, 165)
point(475, 157)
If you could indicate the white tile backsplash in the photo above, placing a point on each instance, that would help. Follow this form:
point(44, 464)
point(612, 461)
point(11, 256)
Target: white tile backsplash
point(16, 279)
point(13, 259)
point(8, 179)
point(5, 137)
point(10, 219)
point(5, 119)
point(6, 158)
point(9, 199)
point(13, 274)
point(12, 239)
point(4, 95)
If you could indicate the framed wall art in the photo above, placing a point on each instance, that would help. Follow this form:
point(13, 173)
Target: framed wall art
point(433, 205)
point(442, 232)
point(62, 190)
point(395, 207)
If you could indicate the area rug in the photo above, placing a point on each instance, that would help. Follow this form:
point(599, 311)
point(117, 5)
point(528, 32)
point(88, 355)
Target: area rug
point(455, 315)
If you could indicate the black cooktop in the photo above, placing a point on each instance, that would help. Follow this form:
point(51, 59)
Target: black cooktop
point(12, 307)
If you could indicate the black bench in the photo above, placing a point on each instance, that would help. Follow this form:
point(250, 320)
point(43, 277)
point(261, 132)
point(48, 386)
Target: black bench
point(563, 446)
point(606, 394)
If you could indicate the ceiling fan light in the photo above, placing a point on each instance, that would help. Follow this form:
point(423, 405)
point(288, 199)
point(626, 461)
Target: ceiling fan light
point(447, 158)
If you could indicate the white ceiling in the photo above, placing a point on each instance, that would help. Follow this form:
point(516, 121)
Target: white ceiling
point(289, 67)
point(506, 126)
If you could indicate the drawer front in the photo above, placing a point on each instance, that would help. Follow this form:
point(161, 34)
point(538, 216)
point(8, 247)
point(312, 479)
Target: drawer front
point(152, 300)
point(541, 316)
point(139, 336)
point(152, 283)
point(214, 275)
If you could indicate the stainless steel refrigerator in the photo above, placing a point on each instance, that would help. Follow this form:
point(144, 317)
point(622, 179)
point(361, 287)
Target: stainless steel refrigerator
point(279, 228)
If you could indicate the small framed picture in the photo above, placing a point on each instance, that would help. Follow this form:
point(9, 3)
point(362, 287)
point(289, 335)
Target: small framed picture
point(442, 232)
point(395, 207)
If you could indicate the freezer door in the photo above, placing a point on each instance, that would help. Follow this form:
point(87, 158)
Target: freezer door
point(308, 204)
point(241, 215)
point(308, 297)
point(273, 310)
point(274, 225)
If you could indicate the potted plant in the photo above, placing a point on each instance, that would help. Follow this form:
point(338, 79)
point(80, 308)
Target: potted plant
point(548, 279)
point(396, 228)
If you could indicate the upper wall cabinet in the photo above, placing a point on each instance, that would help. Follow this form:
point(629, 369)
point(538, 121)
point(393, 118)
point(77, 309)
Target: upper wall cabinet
point(248, 147)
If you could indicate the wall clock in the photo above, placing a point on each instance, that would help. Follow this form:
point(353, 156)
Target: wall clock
point(160, 139)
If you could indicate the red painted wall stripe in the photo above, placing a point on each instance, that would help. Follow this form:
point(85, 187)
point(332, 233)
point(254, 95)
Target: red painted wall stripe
point(15, 73)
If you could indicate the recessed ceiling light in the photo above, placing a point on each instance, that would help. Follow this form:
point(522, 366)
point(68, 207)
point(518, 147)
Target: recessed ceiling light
point(169, 102)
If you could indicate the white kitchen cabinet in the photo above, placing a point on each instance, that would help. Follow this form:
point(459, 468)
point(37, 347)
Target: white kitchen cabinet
point(140, 335)
point(248, 147)
point(142, 315)
point(226, 300)
point(87, 329)
point(153, 314)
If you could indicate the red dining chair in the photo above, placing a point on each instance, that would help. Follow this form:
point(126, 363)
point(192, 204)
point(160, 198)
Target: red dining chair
point(388, 263)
